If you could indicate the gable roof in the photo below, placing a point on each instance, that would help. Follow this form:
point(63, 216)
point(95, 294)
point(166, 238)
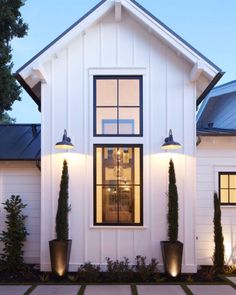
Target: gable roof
point(216, 115)
point(20, 142)
point(156, 26)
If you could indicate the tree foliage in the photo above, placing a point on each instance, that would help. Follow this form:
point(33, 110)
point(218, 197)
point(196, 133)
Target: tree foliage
point(172, 215)
point(15, 234)
point(6, 119)
point(62, 228)
point(219, 250)
point(11, 25)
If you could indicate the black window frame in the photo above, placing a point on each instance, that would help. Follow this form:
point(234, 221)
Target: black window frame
point(118, 77)
point(228, 173)
point(95, 146)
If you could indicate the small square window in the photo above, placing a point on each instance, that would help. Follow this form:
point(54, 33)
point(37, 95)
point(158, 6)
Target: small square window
point(227, 188)
point(118, 105)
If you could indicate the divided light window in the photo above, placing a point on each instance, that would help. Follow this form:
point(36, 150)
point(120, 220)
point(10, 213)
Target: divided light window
point(227, 188)
point(118, 105)
point(118, 185)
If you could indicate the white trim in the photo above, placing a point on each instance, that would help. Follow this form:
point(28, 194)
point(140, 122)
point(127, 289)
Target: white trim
point(197, 69)
point(118, 10)
point(117, 71)
point(138, 227)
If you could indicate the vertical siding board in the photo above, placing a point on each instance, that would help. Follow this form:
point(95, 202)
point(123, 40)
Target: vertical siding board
point(213, 155)
point(77, 156)
point(109, 41)
point(9, 173)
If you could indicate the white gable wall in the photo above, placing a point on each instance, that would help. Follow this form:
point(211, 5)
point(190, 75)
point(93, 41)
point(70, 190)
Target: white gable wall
point(169, 100)
point(23, 178)
point(214, 154)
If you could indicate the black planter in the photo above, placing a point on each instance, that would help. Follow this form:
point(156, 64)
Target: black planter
point(172, 257)
point(60, 256)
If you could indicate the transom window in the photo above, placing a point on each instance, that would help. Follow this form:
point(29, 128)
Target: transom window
point(118, 105)
point(118, 185)
point(227, 188)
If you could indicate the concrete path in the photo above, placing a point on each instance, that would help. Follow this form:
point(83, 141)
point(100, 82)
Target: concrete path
point(118, 289)
point(107, 290)
point(232, 279)
point(13, 290)
point(212, 290)
point(56, 290)
point(160, 290)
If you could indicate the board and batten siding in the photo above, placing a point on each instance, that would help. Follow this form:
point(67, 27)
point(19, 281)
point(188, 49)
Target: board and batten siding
point(23, 178)
point(169, 99)
point(214, 154)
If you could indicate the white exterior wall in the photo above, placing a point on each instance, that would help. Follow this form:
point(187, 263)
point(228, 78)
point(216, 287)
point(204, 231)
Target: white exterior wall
point(169, 101)
point(214, 154)
point(23, 178)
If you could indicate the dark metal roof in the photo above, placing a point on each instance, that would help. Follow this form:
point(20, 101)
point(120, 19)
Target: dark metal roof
point(216, 132)
point(202, 96)
point(20, 142)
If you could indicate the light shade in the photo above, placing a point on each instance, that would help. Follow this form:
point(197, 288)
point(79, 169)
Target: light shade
point(170, 144)
point(65, 144)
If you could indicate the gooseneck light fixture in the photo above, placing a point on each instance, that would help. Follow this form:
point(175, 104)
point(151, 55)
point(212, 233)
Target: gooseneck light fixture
point(170, 144)
point(65, 144)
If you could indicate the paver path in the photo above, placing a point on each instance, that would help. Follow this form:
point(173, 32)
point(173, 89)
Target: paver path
point(107, 290)
point(212, 290)
point(232, 279)
point(13, 290)
point(55, 290)
point(160, 290)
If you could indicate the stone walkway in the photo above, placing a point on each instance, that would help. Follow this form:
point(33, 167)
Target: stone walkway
point(210, 289)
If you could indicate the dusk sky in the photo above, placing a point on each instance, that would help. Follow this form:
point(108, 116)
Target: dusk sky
point(208, 25)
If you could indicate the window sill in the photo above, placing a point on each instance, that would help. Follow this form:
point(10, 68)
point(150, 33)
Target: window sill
point(138, 227)
point(228, 206)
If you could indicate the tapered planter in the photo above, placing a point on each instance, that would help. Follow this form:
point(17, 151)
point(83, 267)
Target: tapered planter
point(172, 257)
point(60, 256)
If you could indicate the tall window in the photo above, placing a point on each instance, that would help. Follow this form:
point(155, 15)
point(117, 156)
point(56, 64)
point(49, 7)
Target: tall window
point(118, 105)
point(227, 188)
point(118, 185)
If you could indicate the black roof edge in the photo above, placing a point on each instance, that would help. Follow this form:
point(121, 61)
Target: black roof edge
point(176, 35)
point(209, 87)
point(20, 124)
point(60, 36)
point(21, 160)
point(28, 90)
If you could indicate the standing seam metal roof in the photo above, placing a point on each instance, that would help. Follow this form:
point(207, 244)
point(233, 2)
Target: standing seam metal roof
point(20, 142)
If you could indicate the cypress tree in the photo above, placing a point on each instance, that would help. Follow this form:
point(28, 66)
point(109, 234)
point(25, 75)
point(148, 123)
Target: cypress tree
point(62, 227)
point(219, 250)
point(172, 215)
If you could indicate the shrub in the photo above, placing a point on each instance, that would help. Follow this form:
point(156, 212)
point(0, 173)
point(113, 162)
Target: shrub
point(15, 234)
point(219, 250)
point(118, 271)
point(89, 272)
point(146, 272)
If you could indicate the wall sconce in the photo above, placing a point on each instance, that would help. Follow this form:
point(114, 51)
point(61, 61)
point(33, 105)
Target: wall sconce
point(170, 144)
point(65, 144)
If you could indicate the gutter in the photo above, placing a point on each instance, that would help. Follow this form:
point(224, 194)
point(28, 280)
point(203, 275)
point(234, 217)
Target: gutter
point(209, 87)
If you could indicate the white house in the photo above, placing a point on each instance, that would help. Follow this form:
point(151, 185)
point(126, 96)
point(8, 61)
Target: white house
point(216, 170)
point(118, 80)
